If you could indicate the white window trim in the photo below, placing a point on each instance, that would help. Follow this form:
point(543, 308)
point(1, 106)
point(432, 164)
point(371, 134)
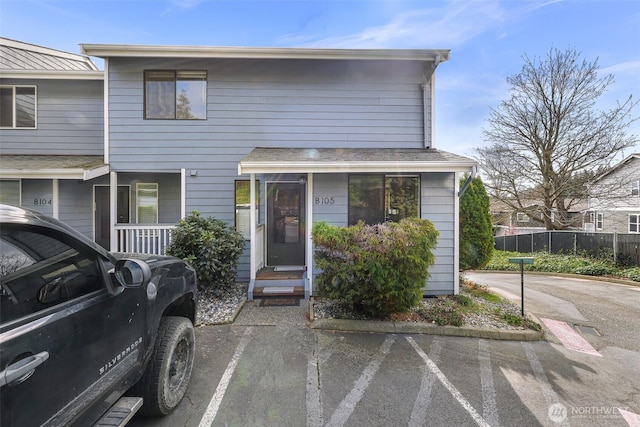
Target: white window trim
point(637, 223)
point(635, 188)
point(13, 105)
point(522, 217)
point(599, 221)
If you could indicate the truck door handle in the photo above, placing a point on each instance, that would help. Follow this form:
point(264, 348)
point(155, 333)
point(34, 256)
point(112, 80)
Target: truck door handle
point(22, 369)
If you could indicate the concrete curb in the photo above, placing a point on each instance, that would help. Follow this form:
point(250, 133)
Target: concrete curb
point(389, 327)
point(567, 275)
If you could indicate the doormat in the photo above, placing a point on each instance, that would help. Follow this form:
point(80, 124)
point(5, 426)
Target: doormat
point(279, 302)
point(290, 268)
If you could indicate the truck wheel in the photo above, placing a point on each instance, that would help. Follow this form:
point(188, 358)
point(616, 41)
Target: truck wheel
point(167, 375)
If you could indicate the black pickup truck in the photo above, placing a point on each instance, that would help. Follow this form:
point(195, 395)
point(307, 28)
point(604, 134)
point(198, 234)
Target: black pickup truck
point(87, 337)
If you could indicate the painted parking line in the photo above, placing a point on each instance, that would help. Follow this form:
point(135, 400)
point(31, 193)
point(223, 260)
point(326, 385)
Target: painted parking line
point(570, 338)
point(423, 399)
point(489, 405)
point(448, 385)
point(632, 419)
point(216, 399)
point(549, 394)
point(348, 404)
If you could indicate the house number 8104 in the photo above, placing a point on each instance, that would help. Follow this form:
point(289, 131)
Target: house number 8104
point(41, 201)
point(325, 200)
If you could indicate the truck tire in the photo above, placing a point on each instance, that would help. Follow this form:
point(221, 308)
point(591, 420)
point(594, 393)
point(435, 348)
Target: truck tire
point(167, 376)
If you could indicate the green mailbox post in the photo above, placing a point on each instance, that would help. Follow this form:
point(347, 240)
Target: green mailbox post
point(522, 261)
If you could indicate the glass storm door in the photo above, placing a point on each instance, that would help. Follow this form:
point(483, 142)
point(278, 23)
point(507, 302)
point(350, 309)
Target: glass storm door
point(285, 224)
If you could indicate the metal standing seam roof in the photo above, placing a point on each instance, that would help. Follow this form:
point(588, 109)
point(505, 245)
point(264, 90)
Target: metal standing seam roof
point(51, 167)
point(327, 160)
point(18, 59)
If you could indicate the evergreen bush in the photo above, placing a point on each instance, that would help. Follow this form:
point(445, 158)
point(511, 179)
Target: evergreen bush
point(377, 269)
point(210, 246)
point(476, 229)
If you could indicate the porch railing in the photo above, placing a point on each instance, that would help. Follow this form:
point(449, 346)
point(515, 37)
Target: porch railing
point(144, 238)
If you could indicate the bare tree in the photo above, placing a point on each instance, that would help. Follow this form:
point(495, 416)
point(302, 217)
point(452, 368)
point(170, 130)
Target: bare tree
point(548, 140)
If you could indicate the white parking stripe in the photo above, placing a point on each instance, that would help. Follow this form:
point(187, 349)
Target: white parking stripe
point(450, 387)
point(348, 404)
point(632, 419)
point(547, 391)
point(216, 399)
point(314, 395)
point(570, 338)
point(489, 406)
point(420, 407)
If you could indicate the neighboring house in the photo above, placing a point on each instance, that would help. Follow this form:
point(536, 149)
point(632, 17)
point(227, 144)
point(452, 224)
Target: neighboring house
point(273, 140)
point(507, 221)
point(51, 132)
point(614, 205)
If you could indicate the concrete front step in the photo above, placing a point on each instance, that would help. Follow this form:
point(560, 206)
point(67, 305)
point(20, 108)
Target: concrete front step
point(265, 291)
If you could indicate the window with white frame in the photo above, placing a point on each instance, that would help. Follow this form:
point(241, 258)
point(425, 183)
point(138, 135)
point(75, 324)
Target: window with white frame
point(635, 188)
point(177, 95)
point(522, 217)
point(18, 107)
point(147, 203)
point(634, 223)
point(599, 221)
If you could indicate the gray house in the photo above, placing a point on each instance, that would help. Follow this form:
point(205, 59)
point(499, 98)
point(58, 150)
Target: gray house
point(272, 140)
point(614, 205)
point(51, 132)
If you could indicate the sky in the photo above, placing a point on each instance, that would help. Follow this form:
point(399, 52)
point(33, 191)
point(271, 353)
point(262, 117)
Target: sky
point(488, 39)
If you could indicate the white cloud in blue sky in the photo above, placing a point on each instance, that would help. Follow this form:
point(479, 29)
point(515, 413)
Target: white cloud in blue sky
point(487, 38)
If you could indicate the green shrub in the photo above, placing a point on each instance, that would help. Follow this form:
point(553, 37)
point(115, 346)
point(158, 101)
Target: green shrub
point(476, 231)
point(632, 274)
point(596, 269)
point(377, 269)
point(210, 246)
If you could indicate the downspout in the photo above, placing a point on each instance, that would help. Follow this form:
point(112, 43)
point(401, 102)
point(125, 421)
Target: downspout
point(428, 100)
point(467, 183)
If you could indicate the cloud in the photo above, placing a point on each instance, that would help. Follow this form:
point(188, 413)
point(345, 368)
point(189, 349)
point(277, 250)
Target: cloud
point(623, 67)
point(445, 24)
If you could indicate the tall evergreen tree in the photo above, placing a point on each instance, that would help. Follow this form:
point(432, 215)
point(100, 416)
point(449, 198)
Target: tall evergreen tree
point(476, 231)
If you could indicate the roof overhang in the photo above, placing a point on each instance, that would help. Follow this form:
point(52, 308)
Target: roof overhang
point(51, 75)
point(52, 167)
point(352, 160)
point(119, 50)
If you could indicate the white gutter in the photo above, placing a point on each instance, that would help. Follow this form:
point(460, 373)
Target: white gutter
point(158, 51)
point(331, 167)
point(51, 75)
point(76, 173)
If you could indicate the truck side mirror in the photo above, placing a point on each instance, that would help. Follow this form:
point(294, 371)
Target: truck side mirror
point(132, 273)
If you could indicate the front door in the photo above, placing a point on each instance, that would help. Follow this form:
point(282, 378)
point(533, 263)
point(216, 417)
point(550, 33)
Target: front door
point(285, 224)
point(102, 228)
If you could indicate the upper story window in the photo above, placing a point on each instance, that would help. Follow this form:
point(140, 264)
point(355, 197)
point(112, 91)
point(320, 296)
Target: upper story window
point(635, 188)
point(18, 107)
point(176, 95)
point(599, 221)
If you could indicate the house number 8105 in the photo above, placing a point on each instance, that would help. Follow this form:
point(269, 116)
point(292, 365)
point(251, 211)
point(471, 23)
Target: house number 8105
point(325, 200)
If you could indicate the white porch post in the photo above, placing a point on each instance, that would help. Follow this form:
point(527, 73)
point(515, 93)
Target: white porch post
point(309, 220)
point(183, 193)
point(113, 209)
point(456, 235)
point(56, 198)
point(252, 227)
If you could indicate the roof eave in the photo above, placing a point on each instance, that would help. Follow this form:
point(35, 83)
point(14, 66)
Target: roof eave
point(51, 75)
point(75, 173)
point(113, 50)
point(353, 167)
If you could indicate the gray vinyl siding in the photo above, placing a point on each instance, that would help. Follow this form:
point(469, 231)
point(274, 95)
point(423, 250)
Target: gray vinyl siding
point(70, 120)
point(438, 192)
point(76, 205)
point(36, 195)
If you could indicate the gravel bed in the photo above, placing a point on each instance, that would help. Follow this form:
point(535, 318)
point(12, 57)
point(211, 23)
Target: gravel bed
point(219, 305)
